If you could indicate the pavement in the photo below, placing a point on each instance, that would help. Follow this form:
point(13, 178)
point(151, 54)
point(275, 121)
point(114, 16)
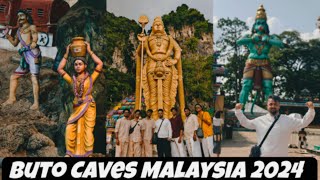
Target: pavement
point(242, 142)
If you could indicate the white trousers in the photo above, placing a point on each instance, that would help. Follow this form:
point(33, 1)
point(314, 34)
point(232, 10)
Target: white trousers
point(177, 149)
point(193, 147)
point(207, 146)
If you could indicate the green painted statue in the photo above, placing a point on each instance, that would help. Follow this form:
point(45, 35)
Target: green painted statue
point(257, 72)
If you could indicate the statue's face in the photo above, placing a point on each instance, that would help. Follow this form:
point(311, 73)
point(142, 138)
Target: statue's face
point(260, 26)
point(22, 18)
point(157, 27)
point(79, 66)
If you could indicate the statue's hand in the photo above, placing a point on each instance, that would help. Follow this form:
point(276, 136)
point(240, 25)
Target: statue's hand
point(171, 62)
point(88, 47)
point(256, 38)
point(142, 37)
point(265, 38)
point(68, 49)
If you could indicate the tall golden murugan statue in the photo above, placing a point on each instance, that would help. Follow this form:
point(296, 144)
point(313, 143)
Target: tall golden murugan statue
point(161, 73)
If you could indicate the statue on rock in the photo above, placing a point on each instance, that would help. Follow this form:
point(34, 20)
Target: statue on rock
point(30, 60)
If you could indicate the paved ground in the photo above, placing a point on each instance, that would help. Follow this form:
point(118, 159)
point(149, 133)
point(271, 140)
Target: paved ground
point(242, 142)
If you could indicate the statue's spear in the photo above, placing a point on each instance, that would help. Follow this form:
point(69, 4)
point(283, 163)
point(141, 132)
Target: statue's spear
point(143, 20)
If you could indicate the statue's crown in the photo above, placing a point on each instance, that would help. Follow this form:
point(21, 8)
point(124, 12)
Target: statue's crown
point(261, 13)
point(158, 19)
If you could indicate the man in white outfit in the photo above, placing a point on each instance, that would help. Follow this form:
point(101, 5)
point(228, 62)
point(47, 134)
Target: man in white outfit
point(122, 134)
point(277, 141)
point(190, 126)
point(164, 130)
point(149, 125)
point(177, 145)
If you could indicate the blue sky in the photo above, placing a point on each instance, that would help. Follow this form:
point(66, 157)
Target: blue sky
point(282, 14)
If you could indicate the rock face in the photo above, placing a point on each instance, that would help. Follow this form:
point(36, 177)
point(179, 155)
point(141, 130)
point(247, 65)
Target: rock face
point(117, 60)
point(205, 45)
point(25, 132)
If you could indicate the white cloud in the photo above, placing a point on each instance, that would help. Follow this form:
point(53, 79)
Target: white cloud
point(313, 35)
point(275, 26)
point(215, 20)
point(250, 21)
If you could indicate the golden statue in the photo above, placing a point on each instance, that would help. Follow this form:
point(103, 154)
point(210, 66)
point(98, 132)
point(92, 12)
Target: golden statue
point(161, 75)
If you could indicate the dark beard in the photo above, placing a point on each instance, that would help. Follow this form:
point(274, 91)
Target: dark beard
point(274, 112)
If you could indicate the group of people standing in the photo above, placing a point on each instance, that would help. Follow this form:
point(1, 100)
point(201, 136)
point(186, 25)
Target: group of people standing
point(175, 138)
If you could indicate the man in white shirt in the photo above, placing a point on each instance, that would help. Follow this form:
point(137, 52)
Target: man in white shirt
point(122, 134)
point(276, 143)
point(190, 126)
point(136, 137)
point(149, 125)
point(163, 127)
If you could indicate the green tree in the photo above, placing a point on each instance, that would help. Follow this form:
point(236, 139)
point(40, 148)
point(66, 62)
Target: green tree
point(197, 77)
point(234, 55)
point(185, 16)
point(296, 66)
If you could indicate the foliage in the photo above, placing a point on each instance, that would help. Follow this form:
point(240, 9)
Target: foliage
point(188, 16)
point(197, 77)
point(192, 44)
point(118, 85)
point(296, 66)
point(116, 32)
point(235, 56)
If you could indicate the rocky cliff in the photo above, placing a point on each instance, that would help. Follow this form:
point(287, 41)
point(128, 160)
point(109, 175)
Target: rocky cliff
point(25, 132)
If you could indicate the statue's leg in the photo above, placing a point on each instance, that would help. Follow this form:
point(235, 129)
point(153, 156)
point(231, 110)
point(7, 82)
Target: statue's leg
point(36, 89)
point(246, 88)
point(89, 123)
point(153, 101)
point(14, 79)
point(70, 139)
point(267, 88)
point(35, 71)
point(166, 87)
point(267, 82)
point(247, 85)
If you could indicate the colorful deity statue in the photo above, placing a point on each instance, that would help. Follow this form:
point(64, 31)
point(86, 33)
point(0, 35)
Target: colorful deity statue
point(79, 137)
point(257, 73)
point(162, 71)
point(30, 61)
